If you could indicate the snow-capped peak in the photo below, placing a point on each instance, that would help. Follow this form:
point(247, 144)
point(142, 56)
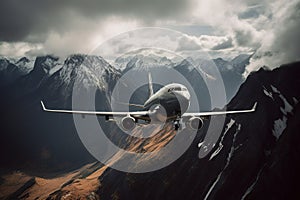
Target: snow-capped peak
point(145, 58)
point(25, 64)
point(87, 71)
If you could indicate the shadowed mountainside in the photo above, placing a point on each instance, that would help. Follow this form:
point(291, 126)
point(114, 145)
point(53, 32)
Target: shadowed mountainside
point(256, 156)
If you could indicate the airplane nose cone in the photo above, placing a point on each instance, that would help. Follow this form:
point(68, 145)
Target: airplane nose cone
point(183, 97)
point(185, 94)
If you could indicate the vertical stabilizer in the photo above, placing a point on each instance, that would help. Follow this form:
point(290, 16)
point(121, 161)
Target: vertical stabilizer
point(150, 85)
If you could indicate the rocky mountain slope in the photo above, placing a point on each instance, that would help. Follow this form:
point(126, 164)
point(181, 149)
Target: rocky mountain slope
point(12, 69)
point(255, 153)
point(33, 140)
point(256, 156)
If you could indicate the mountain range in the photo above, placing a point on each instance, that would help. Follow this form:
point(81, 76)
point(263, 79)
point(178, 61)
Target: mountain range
point(256, 156)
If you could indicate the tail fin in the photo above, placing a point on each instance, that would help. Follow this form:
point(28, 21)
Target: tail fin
point(150, 85)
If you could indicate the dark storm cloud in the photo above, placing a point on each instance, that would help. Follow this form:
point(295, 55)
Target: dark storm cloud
point(244, 37)
point(31, 20)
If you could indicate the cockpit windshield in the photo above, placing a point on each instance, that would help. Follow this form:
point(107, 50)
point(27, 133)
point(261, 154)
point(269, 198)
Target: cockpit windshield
point(177, 89)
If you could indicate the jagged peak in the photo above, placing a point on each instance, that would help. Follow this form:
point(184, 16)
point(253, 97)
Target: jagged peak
point(79, 59)
point(90, 70)
point(3, 63)
point(4, 58)
point(23, 60)
point(45, 61)
point(90, 65)
point(43, 65)
point(7, 59)
point(75, 58)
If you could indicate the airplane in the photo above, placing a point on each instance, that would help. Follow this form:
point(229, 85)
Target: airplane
point(168, 104)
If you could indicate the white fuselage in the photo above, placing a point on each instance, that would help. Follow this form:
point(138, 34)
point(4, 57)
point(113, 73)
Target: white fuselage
point(174, 98)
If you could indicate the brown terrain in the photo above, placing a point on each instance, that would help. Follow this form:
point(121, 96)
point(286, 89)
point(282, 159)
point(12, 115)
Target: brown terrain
point(79, 184)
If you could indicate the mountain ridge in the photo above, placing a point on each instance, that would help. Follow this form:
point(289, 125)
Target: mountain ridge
point(244, 153)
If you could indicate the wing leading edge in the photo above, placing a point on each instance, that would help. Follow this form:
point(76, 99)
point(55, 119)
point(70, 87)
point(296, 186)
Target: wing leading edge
point(220, 112)
point(135, 114)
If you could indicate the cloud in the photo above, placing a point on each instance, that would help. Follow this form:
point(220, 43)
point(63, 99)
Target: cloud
point(141, 38)
point(32, 20)
point(87, 38)
point(281, 43)
point(65, 27)
point(203, 42)
point(271, 29)
point(188, 43)
point(18, 49)
point(225, 16)
point(225, 44)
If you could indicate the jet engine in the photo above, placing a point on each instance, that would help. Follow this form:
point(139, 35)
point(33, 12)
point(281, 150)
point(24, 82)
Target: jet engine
point(194, 123)
point(128, 123)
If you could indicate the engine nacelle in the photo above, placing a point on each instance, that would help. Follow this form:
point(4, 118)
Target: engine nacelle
point(128, 123)
point(195, 123)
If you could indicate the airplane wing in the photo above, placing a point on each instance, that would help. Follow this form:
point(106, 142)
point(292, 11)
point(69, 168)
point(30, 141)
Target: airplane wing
point(219, 112)
point(136, 114)
point(143, 114)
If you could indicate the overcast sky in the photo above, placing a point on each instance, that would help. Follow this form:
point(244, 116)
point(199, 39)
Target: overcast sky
point(225, 28)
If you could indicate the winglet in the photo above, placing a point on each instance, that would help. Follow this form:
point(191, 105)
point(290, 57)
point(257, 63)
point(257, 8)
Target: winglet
point(43, 106)
point(254, 106)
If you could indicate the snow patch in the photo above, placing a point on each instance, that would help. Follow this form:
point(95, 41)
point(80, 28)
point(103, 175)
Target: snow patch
point(295, 100)
point(281, 123)
point(279, 126)
point(55, 68)
point(249, 190)
point(232, 149)
point(275, 89)
point(144, 59)
point(204, 74)
point(217, 151)
point(287, 106)
point(25, 64)
point(267, 93)
point(229, 125)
